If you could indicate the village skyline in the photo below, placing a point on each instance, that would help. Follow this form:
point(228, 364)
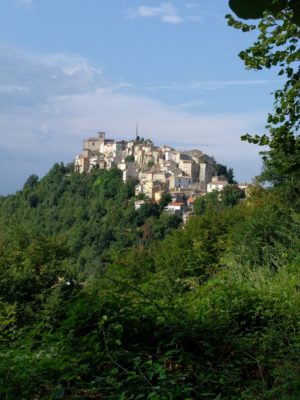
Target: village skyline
point(68, 68)
point(156, 170)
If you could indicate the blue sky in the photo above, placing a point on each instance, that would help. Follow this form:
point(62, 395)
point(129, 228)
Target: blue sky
point(69, 68)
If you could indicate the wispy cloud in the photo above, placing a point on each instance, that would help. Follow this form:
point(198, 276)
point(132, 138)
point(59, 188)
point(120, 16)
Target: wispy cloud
point(49, 103)
point(28, 79)
point(215, 85)
point(13, 89)
point(188, 105)
point(205, 85)
point(192, 6)
point(165, 12)
point(25, 3)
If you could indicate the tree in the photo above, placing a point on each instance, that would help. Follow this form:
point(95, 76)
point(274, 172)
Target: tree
point(129, 158)
point(222, 170)
point(150, 164)
point(253, 9)
point(148, 209)
point(108, 183)
point(31, 182)
point(231, 195)
point(277, 46)
point(165, 199)
point(33, 200)
point(216, 200)
point(199, 205)
point(209, 201)
point(30, 268)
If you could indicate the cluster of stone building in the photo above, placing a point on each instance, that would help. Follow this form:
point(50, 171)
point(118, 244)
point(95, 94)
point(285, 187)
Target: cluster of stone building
point(156, 169)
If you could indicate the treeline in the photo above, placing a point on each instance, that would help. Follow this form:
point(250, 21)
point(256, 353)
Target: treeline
point(99, 300)
point(94, 213)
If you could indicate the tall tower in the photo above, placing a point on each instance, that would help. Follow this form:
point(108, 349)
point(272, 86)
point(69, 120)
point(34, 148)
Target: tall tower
point(137, 131)
point(101, 137)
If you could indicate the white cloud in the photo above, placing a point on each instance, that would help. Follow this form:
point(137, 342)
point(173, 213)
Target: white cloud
point(165, 12)
point(25, 3)
point(192, 6)
point(172, 19)
point(27, 79)
point(48, 122)
point(144, 11)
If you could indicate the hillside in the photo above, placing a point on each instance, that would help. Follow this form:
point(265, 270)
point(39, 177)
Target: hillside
point(93, 213)
point(99, 300)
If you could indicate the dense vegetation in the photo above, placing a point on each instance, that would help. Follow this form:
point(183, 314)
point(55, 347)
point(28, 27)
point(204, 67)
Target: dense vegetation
point(93, 213)
point(102, 301)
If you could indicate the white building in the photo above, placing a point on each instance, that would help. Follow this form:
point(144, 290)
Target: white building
point(176, 207)
point(216, 184)
point(138, 204)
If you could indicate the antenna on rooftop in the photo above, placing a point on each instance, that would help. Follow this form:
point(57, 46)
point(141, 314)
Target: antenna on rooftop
point(137, 131)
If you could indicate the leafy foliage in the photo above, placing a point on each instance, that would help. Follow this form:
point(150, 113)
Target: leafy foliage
point(227, 173)
point(129, 158)
point(155, 311)
point(278, 45)
point(217, 200)
point(254, 9)
point(94, 212)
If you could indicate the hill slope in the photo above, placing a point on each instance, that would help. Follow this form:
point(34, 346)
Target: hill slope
point(101, 301)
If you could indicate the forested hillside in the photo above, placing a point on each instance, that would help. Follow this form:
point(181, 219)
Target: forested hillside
point(92, 213)
point(101, 301)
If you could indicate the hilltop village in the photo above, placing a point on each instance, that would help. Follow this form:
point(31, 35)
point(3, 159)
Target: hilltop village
point(156, 170)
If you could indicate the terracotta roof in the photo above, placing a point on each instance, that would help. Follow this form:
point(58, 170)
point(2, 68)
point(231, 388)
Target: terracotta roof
point(176, 203)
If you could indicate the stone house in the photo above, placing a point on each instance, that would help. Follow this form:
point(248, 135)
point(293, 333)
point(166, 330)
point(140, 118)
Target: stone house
point(176, 207)
point(180, 181)
point(216, 183)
